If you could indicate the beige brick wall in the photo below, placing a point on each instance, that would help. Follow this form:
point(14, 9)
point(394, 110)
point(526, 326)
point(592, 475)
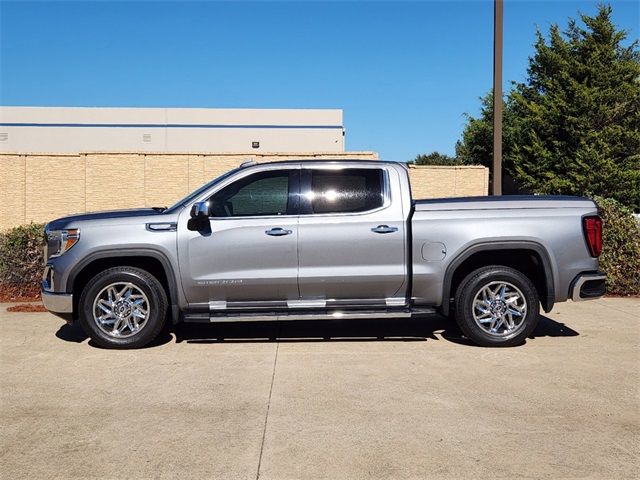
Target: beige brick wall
point(12, 190)
point(441, 181)
point(39, 187)
point(53, 184)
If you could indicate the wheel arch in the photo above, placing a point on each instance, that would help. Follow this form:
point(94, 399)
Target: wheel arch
point(529, 256)
point(153, 261)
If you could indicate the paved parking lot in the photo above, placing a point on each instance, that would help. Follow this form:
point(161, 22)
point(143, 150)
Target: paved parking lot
point(350, 400)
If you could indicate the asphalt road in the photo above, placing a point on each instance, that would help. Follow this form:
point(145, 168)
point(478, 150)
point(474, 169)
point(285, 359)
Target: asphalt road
point(333, 400)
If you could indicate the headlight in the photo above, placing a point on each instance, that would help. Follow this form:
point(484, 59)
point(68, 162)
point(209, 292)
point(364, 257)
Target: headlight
point(59, 241)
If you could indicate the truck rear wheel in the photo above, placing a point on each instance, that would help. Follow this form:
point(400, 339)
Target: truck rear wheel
point(497, 306)
point(123, 307)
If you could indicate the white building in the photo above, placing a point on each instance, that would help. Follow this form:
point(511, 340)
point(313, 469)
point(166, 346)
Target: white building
point(193, 130)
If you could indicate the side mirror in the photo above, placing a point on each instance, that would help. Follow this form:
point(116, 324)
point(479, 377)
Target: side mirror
point(199, 217)
point(200, 210)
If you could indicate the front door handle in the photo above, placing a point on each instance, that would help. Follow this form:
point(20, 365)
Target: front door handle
point(384, 229)
point(278, 232)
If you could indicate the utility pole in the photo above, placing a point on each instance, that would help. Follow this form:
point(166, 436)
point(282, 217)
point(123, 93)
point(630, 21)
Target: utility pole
point(497, 97)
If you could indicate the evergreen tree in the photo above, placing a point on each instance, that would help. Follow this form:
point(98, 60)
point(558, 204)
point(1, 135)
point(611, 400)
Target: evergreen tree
point(574, 126)
point(435, 158)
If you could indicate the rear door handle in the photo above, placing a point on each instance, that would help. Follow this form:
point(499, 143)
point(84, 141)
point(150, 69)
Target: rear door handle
point(278, 232)
point(384, 229)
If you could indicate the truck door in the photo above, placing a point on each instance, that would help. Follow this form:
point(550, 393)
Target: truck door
point(352, 239)
point(249, 258)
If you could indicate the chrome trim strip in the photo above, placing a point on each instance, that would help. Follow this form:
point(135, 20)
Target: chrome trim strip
point(395, 301)
point(351, 303)
point(575, 293)
point(356, 302)
point(337, 315)
point(162, 227)
point(217, 305)
point(320, 303)
point(256, 304)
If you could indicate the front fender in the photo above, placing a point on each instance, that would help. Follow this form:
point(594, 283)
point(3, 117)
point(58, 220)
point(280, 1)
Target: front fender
point(127, 253)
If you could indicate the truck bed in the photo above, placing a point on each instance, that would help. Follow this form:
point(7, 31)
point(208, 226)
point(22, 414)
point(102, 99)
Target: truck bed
point(446, 230)
point(503, 202)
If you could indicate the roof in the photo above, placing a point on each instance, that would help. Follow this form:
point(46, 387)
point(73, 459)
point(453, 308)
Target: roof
point(330, 161)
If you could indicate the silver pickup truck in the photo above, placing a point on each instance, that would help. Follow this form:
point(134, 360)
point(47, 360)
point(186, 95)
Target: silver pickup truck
point(322, 240)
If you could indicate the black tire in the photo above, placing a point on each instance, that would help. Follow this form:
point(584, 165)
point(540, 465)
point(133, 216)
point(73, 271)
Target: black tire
point(150, 293)
point(480, 331)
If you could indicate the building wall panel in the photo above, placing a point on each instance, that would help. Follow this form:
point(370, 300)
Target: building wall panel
point(196, 171)
point(54, 186)
point(114, 181)
point(13, 181)
point(165, 177)
point(442, 181)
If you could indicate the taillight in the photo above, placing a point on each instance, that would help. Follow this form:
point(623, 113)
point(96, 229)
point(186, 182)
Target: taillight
point(592, 227)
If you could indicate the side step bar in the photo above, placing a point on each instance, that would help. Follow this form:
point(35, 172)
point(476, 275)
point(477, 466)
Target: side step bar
point(220, 317)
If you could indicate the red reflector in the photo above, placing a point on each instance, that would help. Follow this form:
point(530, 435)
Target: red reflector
point(593, 234)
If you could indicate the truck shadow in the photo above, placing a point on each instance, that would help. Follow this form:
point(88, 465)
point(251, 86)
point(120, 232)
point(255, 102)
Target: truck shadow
point(434, 327)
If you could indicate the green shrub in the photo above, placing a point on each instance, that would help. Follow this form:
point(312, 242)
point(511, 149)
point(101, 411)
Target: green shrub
point(22, 255)
point(620, 258)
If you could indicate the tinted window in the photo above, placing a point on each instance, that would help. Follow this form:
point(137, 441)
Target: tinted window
point(345, 191)
point(193, 195)
point(260, 194)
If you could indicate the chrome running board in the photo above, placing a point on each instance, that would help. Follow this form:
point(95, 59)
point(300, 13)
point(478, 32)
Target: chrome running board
point(234, 316)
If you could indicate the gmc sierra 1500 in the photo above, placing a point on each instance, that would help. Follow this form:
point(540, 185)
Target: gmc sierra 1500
point(322, 240)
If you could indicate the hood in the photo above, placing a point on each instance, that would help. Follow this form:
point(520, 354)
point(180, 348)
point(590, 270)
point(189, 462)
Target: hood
point(82, 217)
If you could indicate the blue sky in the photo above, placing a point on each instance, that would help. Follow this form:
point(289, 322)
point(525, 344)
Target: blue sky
point(403, 72)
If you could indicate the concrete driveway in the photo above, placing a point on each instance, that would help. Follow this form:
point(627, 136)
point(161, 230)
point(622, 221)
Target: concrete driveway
point(352, 400)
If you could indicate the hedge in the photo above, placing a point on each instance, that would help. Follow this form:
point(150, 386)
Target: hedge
point(620, 258)
point(22, 258)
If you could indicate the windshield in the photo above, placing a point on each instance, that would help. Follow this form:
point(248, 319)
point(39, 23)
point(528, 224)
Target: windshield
point(195, 194)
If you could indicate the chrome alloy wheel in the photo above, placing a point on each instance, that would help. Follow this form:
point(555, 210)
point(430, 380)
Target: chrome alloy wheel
point(499, 308)
point(121, 309)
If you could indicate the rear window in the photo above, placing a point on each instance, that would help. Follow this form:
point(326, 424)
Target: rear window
point(346, 191)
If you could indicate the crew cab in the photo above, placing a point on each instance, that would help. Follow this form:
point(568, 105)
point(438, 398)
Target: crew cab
point(300, 240)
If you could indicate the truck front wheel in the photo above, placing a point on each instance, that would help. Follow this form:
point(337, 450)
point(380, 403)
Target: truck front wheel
point(497, 306)
point(123, 307)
